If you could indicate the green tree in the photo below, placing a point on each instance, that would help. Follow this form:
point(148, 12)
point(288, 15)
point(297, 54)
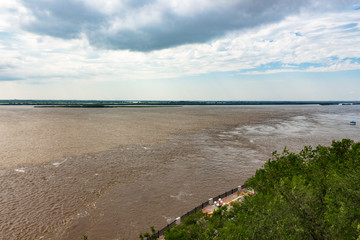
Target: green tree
point(314, 194)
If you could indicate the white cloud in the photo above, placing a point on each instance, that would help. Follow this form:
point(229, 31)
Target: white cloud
point(307, 42)
point(321, 38)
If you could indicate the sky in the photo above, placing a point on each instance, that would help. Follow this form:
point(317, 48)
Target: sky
point(180, 50)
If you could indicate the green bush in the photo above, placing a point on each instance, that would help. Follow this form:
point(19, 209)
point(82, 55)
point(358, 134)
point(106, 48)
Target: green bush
point(314, 194)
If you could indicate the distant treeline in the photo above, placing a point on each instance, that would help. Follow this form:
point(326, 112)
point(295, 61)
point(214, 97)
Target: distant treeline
point(118, 103)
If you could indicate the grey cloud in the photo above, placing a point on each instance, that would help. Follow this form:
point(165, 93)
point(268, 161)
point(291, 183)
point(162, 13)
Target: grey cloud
point(63, 19)
point(6, 77)
point(69, 18)
point(7, 72)
point(6, 66)
point(9, 79)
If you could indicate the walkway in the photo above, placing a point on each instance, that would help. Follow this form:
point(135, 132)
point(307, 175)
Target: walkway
point(226, 200)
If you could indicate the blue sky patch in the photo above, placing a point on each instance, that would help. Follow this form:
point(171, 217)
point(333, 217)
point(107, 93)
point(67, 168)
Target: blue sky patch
point(350, 25)
point(284, 66)
point(353, 60)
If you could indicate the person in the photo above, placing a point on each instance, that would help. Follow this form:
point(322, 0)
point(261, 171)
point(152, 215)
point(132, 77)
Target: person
point(219, 203)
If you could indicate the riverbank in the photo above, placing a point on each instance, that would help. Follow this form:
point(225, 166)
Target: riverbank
point(210, 206)
point(308, 195)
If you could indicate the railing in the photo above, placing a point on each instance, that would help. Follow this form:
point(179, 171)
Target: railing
point(161, 232)
point(227, 193)
point(201, 206)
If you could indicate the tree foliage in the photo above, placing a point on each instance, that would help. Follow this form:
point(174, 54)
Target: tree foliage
point(314, 194)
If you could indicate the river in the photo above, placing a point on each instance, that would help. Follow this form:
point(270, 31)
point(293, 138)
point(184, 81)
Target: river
point(113, 173)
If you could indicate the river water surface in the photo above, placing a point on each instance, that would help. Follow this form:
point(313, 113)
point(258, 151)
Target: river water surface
point(113, 173)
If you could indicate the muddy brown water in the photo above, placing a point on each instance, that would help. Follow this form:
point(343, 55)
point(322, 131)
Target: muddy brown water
point(113, 173)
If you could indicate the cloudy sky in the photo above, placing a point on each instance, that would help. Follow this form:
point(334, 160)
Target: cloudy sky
point(180, 49)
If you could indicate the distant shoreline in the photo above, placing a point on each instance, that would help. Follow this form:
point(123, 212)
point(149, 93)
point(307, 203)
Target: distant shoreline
point(102, 106)
point(117, 104)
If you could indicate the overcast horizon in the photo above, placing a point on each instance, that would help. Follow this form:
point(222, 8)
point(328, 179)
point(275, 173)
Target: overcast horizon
point(226, 50)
